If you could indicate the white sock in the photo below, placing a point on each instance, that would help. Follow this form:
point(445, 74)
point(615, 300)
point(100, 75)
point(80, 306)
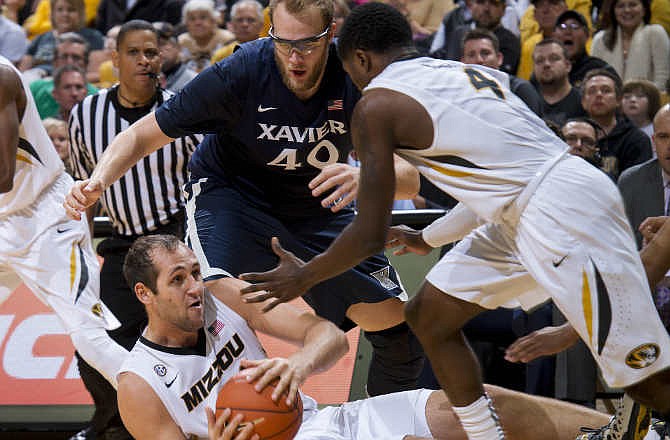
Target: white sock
point(480, 420)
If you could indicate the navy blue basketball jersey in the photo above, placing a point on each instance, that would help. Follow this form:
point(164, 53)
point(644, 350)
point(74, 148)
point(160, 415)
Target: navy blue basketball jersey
point(262, 139)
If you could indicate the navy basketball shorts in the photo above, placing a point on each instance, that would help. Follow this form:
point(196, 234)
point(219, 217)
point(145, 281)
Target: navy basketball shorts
point(231, 235)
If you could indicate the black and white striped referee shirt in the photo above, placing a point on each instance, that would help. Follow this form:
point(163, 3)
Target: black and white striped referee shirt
point(151, 191)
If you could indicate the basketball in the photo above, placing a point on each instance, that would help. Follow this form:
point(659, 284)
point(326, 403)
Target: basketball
point(272, 421)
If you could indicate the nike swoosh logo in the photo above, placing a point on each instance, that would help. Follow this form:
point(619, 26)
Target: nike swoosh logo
point(169, 384)
point(61, 230)
point(262, 109)
point(558, 263)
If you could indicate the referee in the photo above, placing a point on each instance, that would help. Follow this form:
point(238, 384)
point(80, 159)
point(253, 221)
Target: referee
point(146, 200)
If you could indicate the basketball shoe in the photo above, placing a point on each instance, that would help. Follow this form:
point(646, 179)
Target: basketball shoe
point(630, 422)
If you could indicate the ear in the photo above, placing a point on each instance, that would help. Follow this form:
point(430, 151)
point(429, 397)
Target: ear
point(362, 59)
point(143, 293)
point(115, 58)
point(500, 59)
point(332, 32)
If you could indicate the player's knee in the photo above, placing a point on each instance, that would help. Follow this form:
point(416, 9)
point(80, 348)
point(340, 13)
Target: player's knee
point(397, 360)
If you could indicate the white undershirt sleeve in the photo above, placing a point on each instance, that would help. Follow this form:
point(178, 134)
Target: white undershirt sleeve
point(455, 225)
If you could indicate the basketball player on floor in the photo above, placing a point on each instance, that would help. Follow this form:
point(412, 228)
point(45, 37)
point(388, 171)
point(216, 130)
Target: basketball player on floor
point(39, 244)
point(534, 222)
point(197, 340)
point(277, 112)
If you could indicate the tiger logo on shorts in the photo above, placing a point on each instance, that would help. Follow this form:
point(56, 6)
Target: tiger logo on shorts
point(643, 356)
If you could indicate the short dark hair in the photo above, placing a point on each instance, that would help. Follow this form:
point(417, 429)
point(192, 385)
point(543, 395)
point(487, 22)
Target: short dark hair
point(572, 14)
point(59, 72)
point(139, 265)
point(618, 85)
point(649, 90)
point(548, 41)
point(165, 31)
point(72, 38)
point(481, 34)
point(134, 25)
point(375, 27)
point(598, 130)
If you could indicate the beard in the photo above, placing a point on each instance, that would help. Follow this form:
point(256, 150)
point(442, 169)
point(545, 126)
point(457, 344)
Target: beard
point(310, 81)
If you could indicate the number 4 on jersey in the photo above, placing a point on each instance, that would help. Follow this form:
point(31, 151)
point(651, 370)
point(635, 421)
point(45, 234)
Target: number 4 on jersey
point(480, 81)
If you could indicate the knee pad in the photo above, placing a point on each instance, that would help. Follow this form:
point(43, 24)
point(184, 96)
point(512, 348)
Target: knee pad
point(397, 360)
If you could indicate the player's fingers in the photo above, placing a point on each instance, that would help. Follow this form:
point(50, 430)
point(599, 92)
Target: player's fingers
point(272, 305)
point(344, 201)
point(278, 249)
point(232, 427)
point(293, 392)
point(256, 282)
point(246, 432)
point(282, 387)
point(72, 213)
point(258, 297)
point(402, 251)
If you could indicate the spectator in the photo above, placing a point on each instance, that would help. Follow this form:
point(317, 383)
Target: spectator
point(572, 30)
point(57, 131)
point(246, 22)
point(481, 47)
point(117, 12)
point(13, 41)
point(581, 134)
point(529, 26)
point(11, 10)
point(340, 12)
point(641, 100)
point(71, 49)
point(424, 16)
point(622, 144)
point(107, 73)
point(40, 21)
point(69, 89)
point(486, 14)
point(643, 186)
point(635, 48)
point(66, 16)
point(460, 16)
point(546, 13)
point(175, 73)
point(561, 100)
point(203, 37)
point(147, 200)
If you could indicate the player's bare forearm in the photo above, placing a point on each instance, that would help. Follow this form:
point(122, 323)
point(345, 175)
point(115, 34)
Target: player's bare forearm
point(139, 140)
point(656, 255)
point(407, 182)
point(10, 89)
point(324, 344)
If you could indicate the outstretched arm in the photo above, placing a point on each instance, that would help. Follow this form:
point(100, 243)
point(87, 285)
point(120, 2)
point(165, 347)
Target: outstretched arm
point(12, 104)
point(139, 140)
point(320, 342)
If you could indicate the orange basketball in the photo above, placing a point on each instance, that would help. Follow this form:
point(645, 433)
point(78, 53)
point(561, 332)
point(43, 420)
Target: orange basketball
point(272, 421)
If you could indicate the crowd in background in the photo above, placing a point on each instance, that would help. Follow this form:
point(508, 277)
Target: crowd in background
point(597, 71)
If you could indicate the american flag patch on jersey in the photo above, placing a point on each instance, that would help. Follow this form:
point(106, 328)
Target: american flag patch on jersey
point(335, 104)
point(215, 328)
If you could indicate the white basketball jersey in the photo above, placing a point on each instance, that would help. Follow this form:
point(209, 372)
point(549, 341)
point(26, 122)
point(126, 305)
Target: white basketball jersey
point(189, 379)
point(487, 143)
point(37, 163)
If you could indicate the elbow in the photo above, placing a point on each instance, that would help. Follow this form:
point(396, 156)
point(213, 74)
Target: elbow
point(341, 343)
point(6, 185)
